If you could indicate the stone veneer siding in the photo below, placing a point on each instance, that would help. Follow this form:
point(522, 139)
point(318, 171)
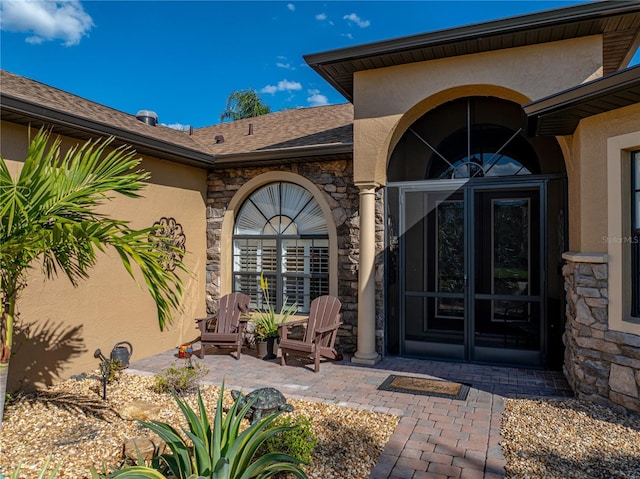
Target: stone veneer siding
point(335, 180)
point(601, 365)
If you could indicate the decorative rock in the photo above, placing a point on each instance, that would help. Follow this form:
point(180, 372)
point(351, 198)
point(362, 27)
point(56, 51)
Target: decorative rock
point(140, 410)
point(144, 446)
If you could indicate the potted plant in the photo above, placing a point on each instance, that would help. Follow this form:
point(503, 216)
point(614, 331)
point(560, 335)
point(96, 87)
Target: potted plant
point(266, 321)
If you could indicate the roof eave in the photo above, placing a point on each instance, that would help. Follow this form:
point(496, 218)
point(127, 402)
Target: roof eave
point(485, 30)
point(554, 105)
point(299, 154)
point(38, 114)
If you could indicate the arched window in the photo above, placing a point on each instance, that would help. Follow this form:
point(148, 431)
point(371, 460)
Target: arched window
point(473, 137)
point(280, 231)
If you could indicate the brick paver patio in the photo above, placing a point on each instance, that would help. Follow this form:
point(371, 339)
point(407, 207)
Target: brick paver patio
point(435, 438)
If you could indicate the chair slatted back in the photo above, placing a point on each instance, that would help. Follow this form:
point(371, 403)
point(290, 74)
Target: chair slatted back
point(325, 311)
point(231, 307)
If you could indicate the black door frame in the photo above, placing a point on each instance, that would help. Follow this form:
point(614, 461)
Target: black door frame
point(470, 187)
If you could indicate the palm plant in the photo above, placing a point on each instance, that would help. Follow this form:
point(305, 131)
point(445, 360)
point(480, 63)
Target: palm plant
point(215, 451)
point(244, 104)
point(48, 215)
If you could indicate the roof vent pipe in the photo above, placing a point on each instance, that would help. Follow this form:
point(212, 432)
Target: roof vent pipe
point(147, 116)
point(251, 128)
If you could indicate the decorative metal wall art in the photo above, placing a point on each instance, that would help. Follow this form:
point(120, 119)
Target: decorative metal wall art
point(169, 238)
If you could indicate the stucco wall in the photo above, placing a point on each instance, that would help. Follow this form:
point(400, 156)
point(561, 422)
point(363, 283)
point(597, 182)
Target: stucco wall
point(388, 100)
point(588, 183)
point(61, 326)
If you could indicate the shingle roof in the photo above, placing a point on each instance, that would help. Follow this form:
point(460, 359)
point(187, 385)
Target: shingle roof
point(30, 102)
point(296, 128)
point(296, 133)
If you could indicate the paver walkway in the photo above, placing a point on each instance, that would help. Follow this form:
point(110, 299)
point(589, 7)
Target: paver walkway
point(435, 438)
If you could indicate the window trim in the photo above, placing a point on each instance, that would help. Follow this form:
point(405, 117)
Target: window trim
point(619, 151)
point(635, 233)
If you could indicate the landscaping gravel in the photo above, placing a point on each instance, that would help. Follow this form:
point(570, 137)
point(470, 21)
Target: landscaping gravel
point(568, 438)
point(551, 439)
point(72, 423)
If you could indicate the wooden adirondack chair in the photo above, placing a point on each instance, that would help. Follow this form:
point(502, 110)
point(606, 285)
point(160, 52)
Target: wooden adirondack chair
point(322, 328)
point(226, 327)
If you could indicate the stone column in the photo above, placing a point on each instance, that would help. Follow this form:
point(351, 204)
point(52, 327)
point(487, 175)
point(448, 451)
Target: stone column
point(601, 364)
point(366, 353)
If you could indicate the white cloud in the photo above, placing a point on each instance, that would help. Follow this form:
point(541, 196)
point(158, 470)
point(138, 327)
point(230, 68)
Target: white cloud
point(283, 62)
point(289, 85)
point(354, 18)
point(348, 35)
point(283, 85)
point(316, 99)
point(291, 7)
point(270, 89)
point(321, 16)
point(46, 20)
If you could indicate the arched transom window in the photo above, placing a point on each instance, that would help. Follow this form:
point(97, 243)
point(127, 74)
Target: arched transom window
point(281, 231)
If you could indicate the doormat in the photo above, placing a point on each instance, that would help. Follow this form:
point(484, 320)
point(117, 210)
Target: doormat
point(425, 387)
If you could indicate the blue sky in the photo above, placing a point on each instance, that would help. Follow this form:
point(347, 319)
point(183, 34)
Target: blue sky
point(181, 59)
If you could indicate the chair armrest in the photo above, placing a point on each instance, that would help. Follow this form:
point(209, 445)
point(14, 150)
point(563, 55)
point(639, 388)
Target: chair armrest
point(203, 323)
point(293, 323)
point(283, 328)
point(326, 329)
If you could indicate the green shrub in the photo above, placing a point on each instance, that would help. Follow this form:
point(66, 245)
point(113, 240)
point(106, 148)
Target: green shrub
point(179, 380)
point(298, 441)
point(113, 373)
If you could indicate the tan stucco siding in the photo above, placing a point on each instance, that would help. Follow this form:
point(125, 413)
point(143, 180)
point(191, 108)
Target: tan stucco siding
point(588, 201)
point(388, 100)
point(109, 306)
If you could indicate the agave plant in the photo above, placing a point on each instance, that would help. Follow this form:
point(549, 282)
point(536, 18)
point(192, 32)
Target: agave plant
point(218, 451)
point(265, 319)
point(44, 474)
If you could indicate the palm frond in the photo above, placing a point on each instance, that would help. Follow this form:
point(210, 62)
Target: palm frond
point(49, 211)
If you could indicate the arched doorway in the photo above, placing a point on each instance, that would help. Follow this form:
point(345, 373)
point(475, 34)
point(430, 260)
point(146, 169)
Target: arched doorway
point(475, 233)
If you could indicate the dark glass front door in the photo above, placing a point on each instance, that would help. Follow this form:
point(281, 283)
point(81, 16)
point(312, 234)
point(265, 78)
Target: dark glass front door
point(470, 276)
point(505, 290)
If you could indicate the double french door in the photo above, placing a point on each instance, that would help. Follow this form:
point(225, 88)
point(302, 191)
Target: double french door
point(471, 271)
